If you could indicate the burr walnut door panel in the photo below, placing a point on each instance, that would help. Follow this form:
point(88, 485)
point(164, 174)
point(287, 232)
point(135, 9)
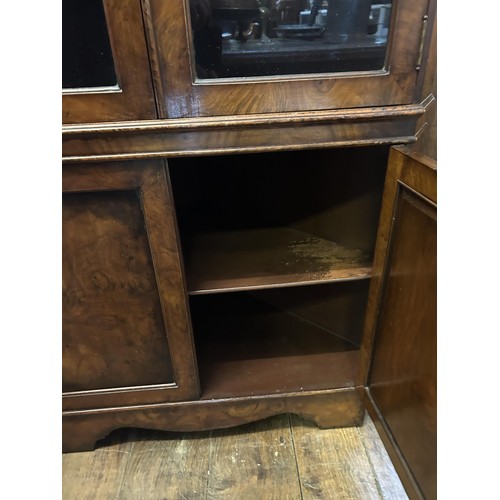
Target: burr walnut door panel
point(126, 332)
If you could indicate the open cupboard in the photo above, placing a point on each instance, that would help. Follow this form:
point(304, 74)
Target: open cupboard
point(223, 259)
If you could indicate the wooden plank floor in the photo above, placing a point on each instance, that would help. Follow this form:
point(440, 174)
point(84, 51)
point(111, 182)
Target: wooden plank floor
point(280, 458)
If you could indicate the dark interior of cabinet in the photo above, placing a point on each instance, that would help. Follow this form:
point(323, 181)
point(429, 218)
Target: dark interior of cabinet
point(87, 60)
point(277, 250)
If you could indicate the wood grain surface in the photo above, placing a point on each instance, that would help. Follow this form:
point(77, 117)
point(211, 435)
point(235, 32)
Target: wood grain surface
point(333, 463)
point(276, 458)
point(263, 258)
point(126, 333)
point(398, 362)
point(389, 484)
point(247, 347)
point(237, 134)
point(99, 474)
point(183, 95)
point(405, 389)
point(110, 296)
point(167, 465)
point(257, 457)
point(134, 99)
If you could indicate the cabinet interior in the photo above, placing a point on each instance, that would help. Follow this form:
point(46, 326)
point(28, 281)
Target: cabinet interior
point(277, 250)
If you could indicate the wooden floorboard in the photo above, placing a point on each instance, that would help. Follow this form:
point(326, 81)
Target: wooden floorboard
point(167, 465)
point(388, 481)
point(280, 458)
point(332, 463)
point(254, 461)
point(96, 475)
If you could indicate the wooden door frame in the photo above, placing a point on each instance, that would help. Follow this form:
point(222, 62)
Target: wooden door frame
point(149, 178)
point(180, 94)
point(133, 99)
point(415, 173)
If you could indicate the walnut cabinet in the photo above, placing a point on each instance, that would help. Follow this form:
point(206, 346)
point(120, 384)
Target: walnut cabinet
point(229, 185)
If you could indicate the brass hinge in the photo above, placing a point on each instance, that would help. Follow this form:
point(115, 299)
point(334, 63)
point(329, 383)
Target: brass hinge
point(425, 19)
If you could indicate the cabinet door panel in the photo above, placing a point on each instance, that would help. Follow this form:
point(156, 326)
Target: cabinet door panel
point(126, 334)
point(401, 328)
point(106, 75)
point(183, 92)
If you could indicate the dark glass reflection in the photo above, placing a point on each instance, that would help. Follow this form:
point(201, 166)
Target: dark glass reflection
point(237, 38)
point(86, 50)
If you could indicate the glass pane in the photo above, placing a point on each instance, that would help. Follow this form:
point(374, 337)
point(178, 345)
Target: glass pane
point(238, 38)
point(86, 50)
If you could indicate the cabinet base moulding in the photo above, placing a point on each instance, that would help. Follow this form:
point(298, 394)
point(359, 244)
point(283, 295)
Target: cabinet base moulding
point(328, 409)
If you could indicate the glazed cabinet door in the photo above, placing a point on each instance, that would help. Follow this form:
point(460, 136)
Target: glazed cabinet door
point(242, 57)
point(399, 350)
point(126, 332)
point(106, 75)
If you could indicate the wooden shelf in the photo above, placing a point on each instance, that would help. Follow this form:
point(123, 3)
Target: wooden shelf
point(247, 347)
point(267, 258)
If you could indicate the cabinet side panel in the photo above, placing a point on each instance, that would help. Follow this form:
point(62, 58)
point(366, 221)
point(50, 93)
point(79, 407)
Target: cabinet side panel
point(113, 329)
point(404, 370)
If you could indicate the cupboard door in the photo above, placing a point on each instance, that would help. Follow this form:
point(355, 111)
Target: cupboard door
point(233, 57)
point(106, 74)
point(126, 333)
point(400, 331)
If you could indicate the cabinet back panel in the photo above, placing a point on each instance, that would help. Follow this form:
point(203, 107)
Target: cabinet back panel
point(113, 330)
point(338, 308)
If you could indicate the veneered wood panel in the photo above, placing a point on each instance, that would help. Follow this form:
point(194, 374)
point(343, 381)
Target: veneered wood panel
point(398, 362)
point(113, 331)
point(126, 329)
point(331, 408)
point(240, 133)
point(404, 371)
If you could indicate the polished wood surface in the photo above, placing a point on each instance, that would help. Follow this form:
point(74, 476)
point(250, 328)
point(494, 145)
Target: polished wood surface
point(126, 333)
point(247, 346)
point(281, 457)
point(401, 162)
point(263, 258)
point(401, 326)
point(239, 134)
point(183, 98)
point(110, 299)
point(405, 390)
point(313, 372)
point(329, 408)
point(427, 125)
point(134, 100)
